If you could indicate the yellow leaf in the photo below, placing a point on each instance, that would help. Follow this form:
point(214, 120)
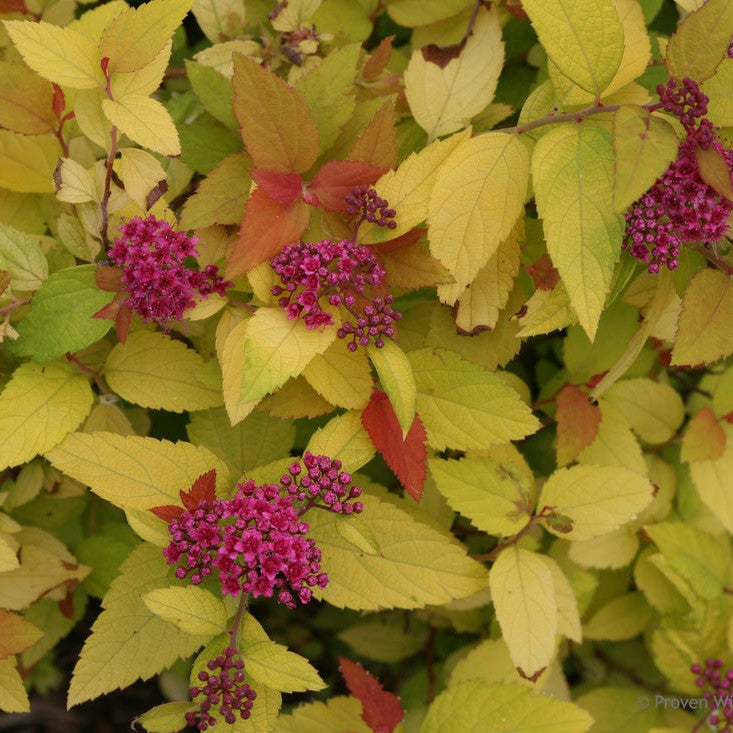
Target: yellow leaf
point(90, 118)
point(277, 348)
point(395, 376)
point(547, 311)
point(714, 170)
point(74, 183)
point(335, 715)
point(294, 400)
point(144, 80)
point(610, 551)
point(414, 565)
point(568, 616)
point(140, 172)
point(523, 592)
point(622, 618)
point(27, 100)
point(230, 337)
point(27, 162)
point(572, 167)
point(479, 305)
point(192, 609)
point(134, 38)
point(145, 121)
point(478, 196)
point(644, 146)
point(719, 88)
point(147, 473)
point(597, 499)
point(408, 188)
point(344, 438)
point(16, 634)
point(39, 406)
point(23, 258)
point(341, 376)
point(13, 697)
point(273, 665)
point(584, 38)
point(128, 642)
point(93, 22)
point(443, 97)
point(61, 55)
point(152, 370)
point(686, 56)
point(712, 481)
point(170, 717)
point(220, 20)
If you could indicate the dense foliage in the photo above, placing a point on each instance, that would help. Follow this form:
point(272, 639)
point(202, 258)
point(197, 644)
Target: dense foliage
point(394, 331)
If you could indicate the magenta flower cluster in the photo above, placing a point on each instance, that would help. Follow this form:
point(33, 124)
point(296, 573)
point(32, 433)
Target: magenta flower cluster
point(257, 541)
point(719, 691)
point(680, 207)
point(159, 287)
point(365, 202)
point(225, 689)
point(340, 272)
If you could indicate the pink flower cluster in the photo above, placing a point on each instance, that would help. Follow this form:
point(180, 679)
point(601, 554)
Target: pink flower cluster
point(227, 689)
point(680, 207)
point(257, 540)
point(341, 272)
point(720, 691)
point(151, 254)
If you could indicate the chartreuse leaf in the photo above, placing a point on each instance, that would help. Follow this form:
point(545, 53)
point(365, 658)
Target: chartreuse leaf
point(135, 37)
point(144, 120)
point(170, 717)
point(277, 348)
point(384, 642)
point(341, 376)
point(414, 13)
point(597, 499)
point(153, 370)
point(382, 558)
point(712, 481)
point(584, 39)
point(463, 406)
point(408, 188)
point(572, 167)
point(344, 438)
point(686, 56)
point(273, 665)
point(523, 592)
point(704, 333)
point(61, 55)
point(510, 707)
point(13, 696)
point(643, 147)
point(496, 498)
point(215, 92)
point(624, 617)
point(147, 473)
point(61, 313)
point(395, 375)
point(332, 716)
point(40, 406)
point(624, 708)
point(23, 258)
point(129, 642)
point(192, 609)
point(697, 556)
point(27, 162)
point(719, 88)
point(443, 97)
point(654, 410)
point(478, 196)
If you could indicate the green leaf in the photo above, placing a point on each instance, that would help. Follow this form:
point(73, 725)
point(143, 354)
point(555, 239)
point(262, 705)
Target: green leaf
point(396, 377)
point(621, 708)
point(273, 665)
point(145, 121)
point(477, 198)
point(192, 609)
point(462, 406)
point(496, 498)
point(60, 319)
point(598, 499)
point(523, 592)
point(61, 55)
point(147, 473)
point(584, 40)
point(40, 406)
point(215, 92)
point(414, 13)
point(27, 162)
point(152, 370)
point(136, 36)
point(622, 618)
point(129, 642)
point(23, 258)
point(510, 708)
point(384, 642)
point(277, 348)
point(205, 142)
point(572, 166)
point(409, 565)
point(341, 376)
point(344, 438)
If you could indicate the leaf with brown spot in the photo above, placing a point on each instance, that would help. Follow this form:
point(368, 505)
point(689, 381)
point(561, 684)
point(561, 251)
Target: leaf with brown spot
point(577, 423)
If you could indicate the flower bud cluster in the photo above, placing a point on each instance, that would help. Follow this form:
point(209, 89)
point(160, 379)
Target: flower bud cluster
point(680, 207)
point(341, 272)
point(151, 254)
point(256, 541)
point(365, 202)
point(225, 689)
point(720, 689)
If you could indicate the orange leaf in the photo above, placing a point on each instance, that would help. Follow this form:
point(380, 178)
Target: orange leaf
point(168, 512)
point(285, 188)
point(276, 126)
point(336, 179)
point(16, 634)
point(381, 710)
point(377, 143)
point(704, 438)
point(202, 489)
point(378, 61)
point(266, 228)
point(577, 423)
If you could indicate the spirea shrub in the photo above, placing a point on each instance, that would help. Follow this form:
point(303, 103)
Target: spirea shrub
point(367, 365)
